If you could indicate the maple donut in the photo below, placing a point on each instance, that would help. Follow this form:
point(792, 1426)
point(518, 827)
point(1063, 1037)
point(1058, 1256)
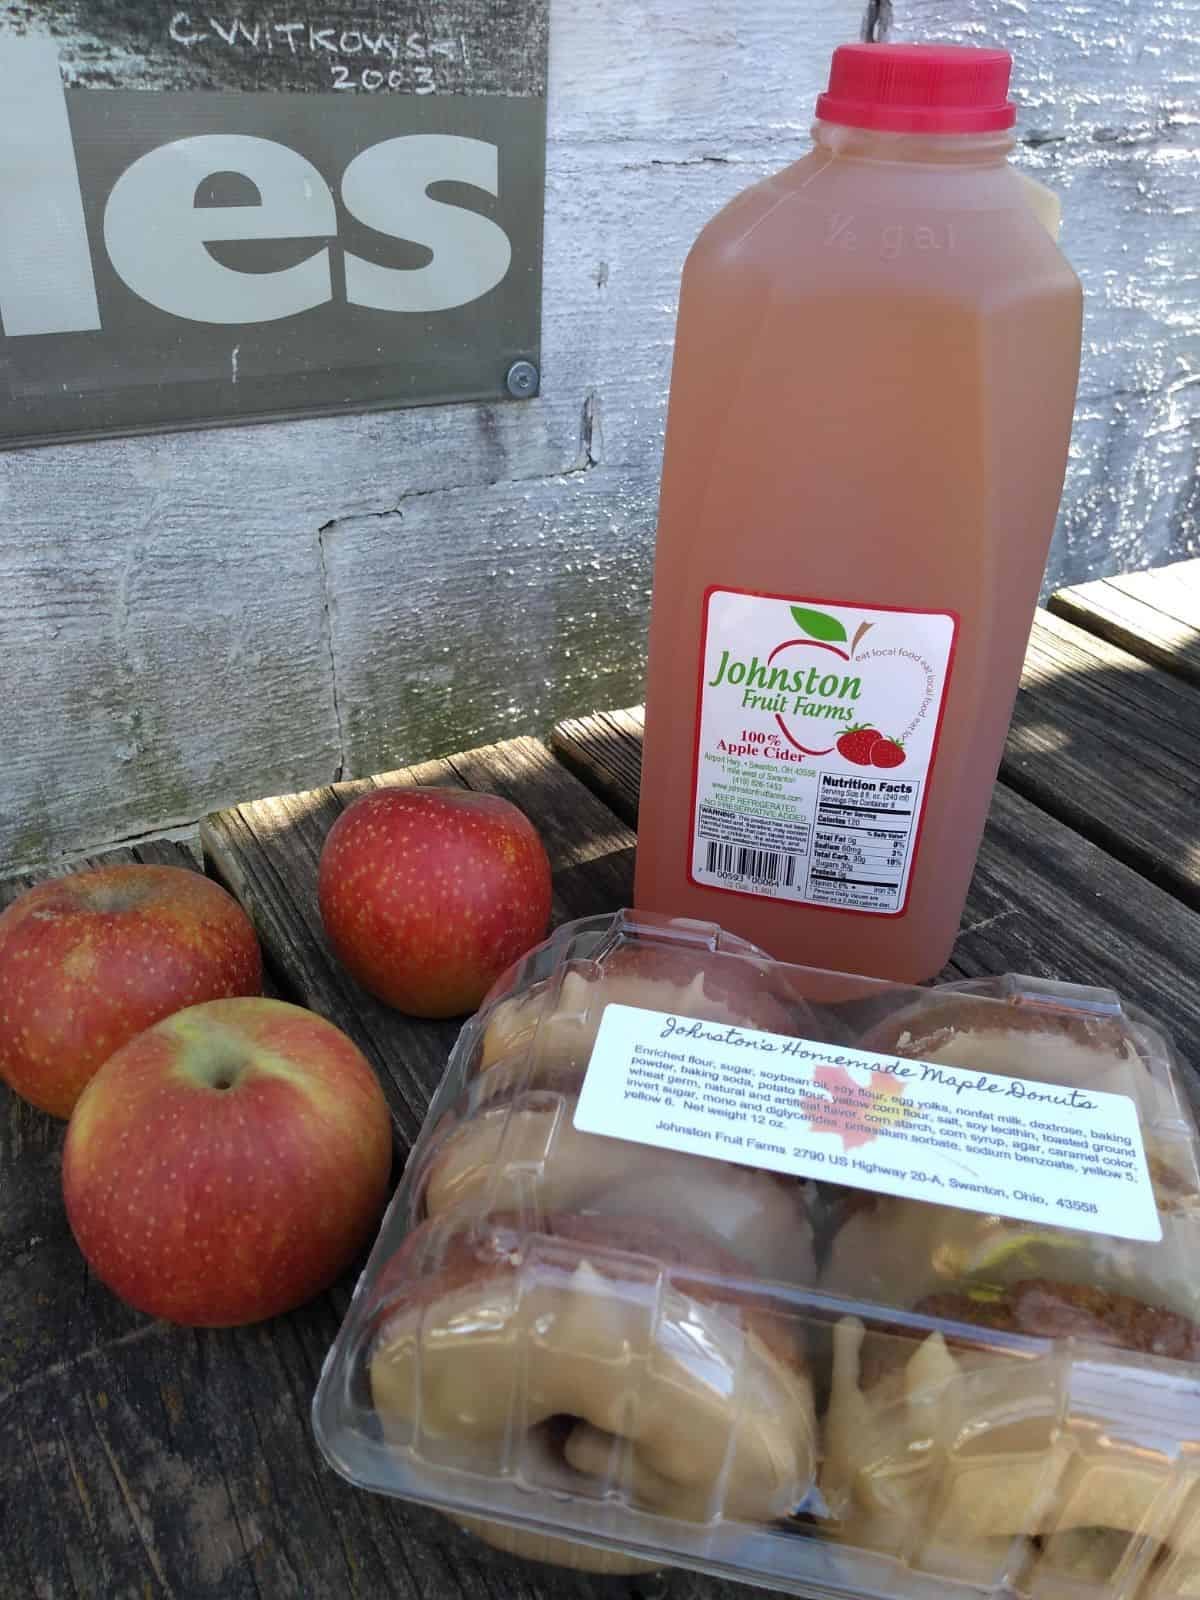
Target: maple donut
point(546, 1035)
point(894, 1251)
point(530, 1155)
point(595, 1342)
point(1172, 1577)
point(942, 1451)
point(963, 1458)
point(1016, 1037)
point(1080, 1556)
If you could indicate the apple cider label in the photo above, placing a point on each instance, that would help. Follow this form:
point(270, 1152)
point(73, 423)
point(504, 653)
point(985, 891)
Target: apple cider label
point(816, 734)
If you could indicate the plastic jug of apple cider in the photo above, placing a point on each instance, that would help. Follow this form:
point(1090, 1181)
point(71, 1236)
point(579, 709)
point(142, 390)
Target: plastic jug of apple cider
point(875, 370)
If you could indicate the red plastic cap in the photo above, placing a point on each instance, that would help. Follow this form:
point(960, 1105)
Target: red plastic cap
point(919, 88)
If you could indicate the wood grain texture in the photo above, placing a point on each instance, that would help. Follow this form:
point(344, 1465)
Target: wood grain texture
point(1048, 902)
point(1111, 746)
point(267, 853)
point(1153, 615)
point(1045, 901)
point(288, 544)
point(160, 1461)
point(604, 751)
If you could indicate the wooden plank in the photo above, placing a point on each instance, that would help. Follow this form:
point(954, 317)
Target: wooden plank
point(1154, 615)
point(181, 1464)
point(51, 1313)
point(1044, 902)
point(112, 727)
point(152, 852)
point(267, 852)
point(605, 752)
point(1111, 746)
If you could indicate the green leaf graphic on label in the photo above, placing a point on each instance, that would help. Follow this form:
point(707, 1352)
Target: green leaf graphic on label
point(818, 626)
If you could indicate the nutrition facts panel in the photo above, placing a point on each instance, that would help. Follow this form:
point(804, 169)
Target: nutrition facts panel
point(862, 842)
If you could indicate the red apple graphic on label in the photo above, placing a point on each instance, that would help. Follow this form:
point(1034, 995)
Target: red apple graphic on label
point(823, 633)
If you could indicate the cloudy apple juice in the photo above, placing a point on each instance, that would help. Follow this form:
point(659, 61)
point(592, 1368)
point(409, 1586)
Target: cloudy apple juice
point(875, 370)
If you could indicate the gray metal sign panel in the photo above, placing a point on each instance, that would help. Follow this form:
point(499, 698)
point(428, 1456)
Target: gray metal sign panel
point(213, 218)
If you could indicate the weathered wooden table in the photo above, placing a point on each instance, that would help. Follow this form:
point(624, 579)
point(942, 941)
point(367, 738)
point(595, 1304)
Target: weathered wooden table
point(139, 1459)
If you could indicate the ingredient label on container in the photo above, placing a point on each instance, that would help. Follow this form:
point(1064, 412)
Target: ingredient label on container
point(817, 732)
point(1040, 1152)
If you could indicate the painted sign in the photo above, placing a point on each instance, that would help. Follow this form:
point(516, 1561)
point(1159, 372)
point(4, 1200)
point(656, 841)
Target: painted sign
point(219, 217)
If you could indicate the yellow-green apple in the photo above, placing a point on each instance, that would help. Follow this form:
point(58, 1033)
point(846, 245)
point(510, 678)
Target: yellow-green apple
point(89, 960)
point(427, 895)
point(227, 1164)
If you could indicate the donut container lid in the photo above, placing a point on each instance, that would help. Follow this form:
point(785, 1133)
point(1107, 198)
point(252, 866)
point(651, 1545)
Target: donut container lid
point(837, 1286)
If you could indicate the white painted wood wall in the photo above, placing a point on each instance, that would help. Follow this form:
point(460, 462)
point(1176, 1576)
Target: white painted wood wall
point(198, 618)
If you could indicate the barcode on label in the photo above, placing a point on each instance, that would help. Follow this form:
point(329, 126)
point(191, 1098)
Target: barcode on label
point(756, 866)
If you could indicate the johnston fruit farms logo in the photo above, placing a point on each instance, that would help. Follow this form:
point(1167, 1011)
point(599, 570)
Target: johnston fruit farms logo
point(802, 688)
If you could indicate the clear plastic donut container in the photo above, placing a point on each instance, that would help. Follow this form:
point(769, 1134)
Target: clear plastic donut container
point(836, 1286)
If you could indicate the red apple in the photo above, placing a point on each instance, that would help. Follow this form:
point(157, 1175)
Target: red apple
point(227, 1164)
point(90, 960)
point(427, 895)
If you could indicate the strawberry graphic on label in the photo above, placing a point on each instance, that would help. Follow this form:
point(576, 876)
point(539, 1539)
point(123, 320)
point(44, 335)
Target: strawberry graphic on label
point(887, 752)
point(856, 744)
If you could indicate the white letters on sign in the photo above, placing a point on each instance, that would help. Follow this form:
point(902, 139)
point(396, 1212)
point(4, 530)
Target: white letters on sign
point(46, 283)
point(385, 187)
point(157, 233)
